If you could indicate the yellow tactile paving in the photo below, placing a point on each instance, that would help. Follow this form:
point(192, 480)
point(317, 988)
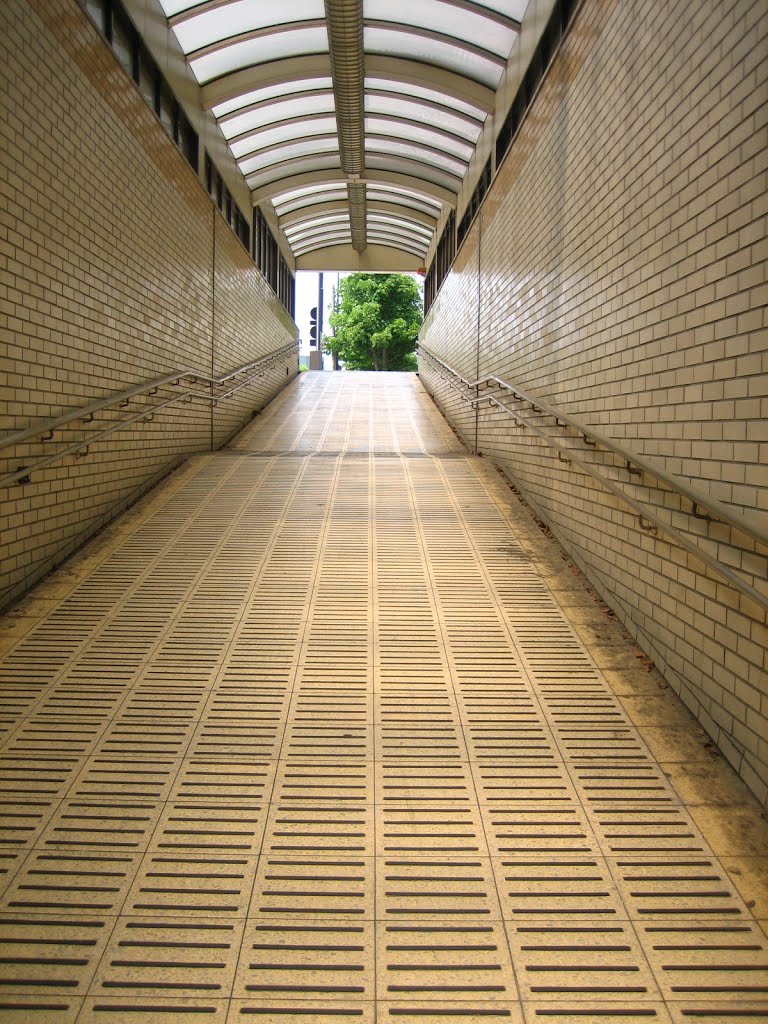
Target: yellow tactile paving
point(309, 737)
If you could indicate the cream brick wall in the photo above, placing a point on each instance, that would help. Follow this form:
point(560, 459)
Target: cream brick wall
point(109, 277)
point(623, 278)
point(451, 327)
point(241, 329)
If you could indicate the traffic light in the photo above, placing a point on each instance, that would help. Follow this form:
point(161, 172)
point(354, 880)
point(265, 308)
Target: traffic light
point(313, 327)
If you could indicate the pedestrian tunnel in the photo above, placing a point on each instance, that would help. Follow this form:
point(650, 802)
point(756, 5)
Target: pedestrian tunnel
point(326, 728)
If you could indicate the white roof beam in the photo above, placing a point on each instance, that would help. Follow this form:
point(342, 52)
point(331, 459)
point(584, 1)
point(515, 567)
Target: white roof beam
point(286, 71)
point(419, 186)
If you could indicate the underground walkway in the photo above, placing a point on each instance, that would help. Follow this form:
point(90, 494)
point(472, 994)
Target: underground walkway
point(326, 729)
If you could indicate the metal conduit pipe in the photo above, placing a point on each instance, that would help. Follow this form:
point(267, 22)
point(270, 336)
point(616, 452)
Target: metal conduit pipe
point(358, 215)
point(345, 45)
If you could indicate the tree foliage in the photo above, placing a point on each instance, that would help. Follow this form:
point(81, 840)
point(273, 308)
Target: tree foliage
point(377, 322)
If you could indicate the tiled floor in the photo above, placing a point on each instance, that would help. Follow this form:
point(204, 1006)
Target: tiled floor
point(326, 729)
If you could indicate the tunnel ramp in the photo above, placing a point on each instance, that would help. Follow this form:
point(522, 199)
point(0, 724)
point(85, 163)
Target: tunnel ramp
point(310, 737)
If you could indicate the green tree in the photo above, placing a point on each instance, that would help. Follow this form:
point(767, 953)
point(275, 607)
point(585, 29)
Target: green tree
point(377, 322)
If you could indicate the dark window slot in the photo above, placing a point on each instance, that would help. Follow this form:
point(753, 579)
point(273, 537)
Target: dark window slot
point(112, 20)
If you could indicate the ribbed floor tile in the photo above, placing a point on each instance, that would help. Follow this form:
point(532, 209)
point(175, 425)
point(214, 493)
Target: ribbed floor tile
point(458, 962)
point(74, 882)
point(294, 959)
point(442, 891)
point(439, 1011)
point(595, 958)
point(343, 1010)
point(192, 884)
point(137, 1009)
point(314, 742)
point(588, 1011)
point(184, 958)
point(565, 889)
point(50, 954)
point(80, 825)
point(39, 1009)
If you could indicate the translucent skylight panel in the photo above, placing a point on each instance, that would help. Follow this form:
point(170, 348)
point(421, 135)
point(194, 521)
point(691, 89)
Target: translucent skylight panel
point(284, 206)
point(244, 16)
point(312, 193)
point(402, 225)
point(319, 233)
point(312, 223)
point(293, 106)
point(346, 239)
point(279, 154)
point(407, 205)
point(270, 92)
point(426, 172)
point(413, 110)
point(418, 133)
point(171, 7)
point(342, 232)
point(274, 46)
point(326, 244)
point(464, 24)
point(309, 191)
point(374, 144)
point(512, 8)
point(306, 245)
point(413, 91)
point(319, 226)
point(396, 238)
point(335, 232)
point(375, 194)
point(395, 242)
point(376, 231)
point(394, 194)
point(320, 162)
point(398, 215)
point(282, 133)
point(434, 51)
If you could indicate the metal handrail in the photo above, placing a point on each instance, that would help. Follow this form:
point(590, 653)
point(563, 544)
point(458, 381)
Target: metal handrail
point(86, 412)
point(697, 498)
point(643, 512)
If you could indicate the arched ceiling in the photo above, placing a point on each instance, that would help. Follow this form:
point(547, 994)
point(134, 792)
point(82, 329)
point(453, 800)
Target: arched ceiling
point(356, 118)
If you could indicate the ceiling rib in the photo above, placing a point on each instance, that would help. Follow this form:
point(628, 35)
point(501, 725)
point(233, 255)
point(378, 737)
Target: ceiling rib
point(485, 12)
point(298, 95)
point(333, 207)
point(250, 36)
point(196, 9)
point(345, 45)
point(356, 119)
point(407, 122)
point(473, 123)
point(437, 37)
point(283, 71)
point(278, 186)
point(405, 70)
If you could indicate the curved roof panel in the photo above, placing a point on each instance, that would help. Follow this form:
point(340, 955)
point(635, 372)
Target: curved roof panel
point(252, 142)
point(357, 119)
